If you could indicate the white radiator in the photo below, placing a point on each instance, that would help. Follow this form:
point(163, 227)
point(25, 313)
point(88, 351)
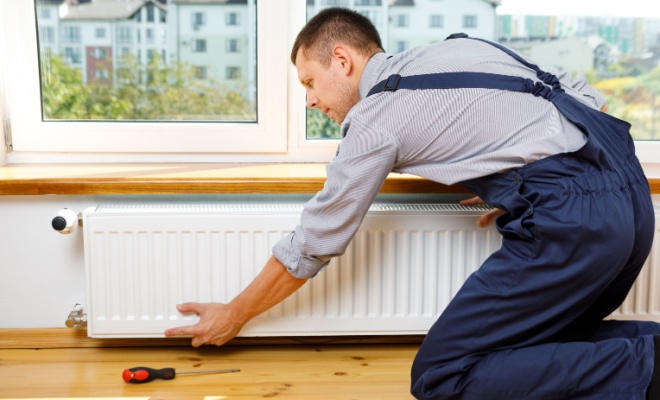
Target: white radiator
point(399, 273)
point(643, 301)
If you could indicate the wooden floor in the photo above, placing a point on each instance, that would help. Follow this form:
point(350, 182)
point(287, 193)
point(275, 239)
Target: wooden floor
point(336, 371)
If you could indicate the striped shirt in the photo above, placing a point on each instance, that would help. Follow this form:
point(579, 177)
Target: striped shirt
point(447, 136)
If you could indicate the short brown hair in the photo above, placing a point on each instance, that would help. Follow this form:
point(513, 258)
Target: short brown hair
point(336, 25)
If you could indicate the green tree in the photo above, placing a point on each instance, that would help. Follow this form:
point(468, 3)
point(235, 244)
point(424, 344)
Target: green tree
point(651, 84)
point(155, 91)
point(63, 93)
point(319, 126)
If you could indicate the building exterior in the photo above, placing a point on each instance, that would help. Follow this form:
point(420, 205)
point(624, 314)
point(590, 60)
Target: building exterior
point(578, 42)
point(404, 24)
point(93, 35)
point(218, 38)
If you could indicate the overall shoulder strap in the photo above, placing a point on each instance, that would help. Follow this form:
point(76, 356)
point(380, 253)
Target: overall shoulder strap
point(459, 80)
point(449, 80)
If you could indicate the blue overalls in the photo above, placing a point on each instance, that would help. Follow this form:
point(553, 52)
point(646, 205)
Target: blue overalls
point(529, 323)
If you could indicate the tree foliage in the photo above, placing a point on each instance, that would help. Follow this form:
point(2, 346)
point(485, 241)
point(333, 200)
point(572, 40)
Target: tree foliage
point(158, 91)
point(319, 126)
point(635, 99)
point(155, 91)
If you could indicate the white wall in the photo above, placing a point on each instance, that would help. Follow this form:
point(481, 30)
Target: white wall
point(41, 271)
point(3, 154)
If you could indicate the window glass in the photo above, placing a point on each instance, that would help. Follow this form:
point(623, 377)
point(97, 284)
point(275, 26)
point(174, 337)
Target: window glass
point(131, 60)
point(615, 44)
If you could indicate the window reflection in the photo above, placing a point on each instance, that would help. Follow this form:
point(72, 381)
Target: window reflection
point(619, 55)
point(170, 60)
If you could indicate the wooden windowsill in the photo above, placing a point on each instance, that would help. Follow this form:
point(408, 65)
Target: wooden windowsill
point(153, 179)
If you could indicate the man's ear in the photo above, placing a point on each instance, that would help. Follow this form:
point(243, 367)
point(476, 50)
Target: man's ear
point(344, 57)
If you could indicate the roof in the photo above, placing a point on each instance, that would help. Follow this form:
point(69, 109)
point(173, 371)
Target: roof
point(107, 9)
point(412, 2)
point(209, 1)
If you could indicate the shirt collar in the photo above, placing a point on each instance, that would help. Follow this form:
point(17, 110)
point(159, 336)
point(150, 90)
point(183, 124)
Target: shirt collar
point(372, 72)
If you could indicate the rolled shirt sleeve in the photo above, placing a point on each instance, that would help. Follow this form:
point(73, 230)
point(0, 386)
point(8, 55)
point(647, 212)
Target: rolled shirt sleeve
point(331, 218)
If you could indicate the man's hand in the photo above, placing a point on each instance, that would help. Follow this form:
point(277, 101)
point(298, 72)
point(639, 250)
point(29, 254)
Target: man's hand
point(217, 324)
point(488, 217)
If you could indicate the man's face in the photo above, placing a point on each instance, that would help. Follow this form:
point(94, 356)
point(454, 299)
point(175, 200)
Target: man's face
point(331, 90)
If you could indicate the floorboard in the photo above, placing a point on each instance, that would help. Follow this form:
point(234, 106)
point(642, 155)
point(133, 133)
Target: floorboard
point(357, 371)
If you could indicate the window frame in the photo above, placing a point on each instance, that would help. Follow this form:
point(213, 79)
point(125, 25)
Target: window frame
point(32, 136)
point(287, 99)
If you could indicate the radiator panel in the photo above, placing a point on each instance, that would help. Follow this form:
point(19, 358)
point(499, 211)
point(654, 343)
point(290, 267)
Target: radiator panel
point(398, 274)
point(401, 270)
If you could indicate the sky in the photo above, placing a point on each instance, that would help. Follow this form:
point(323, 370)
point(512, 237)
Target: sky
point(616, 8)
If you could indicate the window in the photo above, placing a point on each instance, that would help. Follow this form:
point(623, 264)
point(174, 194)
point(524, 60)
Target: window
point(72, 54)
point(232, 19)
point(173, 110)
point(150, 59)
point(250, 60)
point(149, 35)
point(72, 34)
point(233, 46)
point(436, 21)
point(124, 34)
point(150, 12)
point(198, 20)
point(201, 73)
point(333, 3)
point(102, 74)
point(199, 45)
point(608, 49)
point(233, 73)
point(100, 53)
point(401, 21)
point(469, 21)
point(100, 33)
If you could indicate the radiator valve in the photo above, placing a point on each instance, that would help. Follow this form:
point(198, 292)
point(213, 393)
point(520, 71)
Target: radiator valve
point(66, 221)
point(77, 317)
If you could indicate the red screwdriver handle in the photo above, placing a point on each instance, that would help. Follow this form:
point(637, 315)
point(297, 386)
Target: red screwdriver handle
point(145, 374)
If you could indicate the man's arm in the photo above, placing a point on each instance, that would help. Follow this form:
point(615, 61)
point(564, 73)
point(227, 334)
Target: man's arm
point(220, 323)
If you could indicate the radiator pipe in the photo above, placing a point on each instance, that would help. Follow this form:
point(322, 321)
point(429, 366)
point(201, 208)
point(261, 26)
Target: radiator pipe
point(77, 317)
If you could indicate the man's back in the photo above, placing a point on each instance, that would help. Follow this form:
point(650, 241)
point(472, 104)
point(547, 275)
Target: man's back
point(450, 135)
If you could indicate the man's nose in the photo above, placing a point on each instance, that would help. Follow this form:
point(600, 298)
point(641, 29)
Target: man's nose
point(312, 101)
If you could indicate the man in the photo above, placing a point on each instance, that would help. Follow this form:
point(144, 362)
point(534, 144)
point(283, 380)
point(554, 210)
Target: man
point(571, 201)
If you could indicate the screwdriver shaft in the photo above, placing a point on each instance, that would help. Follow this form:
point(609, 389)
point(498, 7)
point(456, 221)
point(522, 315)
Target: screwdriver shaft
point(209, 371)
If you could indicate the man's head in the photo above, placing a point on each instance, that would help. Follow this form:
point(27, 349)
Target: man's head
point(330, 53)
point(332, 26)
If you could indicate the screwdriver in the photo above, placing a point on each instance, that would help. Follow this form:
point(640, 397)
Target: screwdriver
point(146, 374)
